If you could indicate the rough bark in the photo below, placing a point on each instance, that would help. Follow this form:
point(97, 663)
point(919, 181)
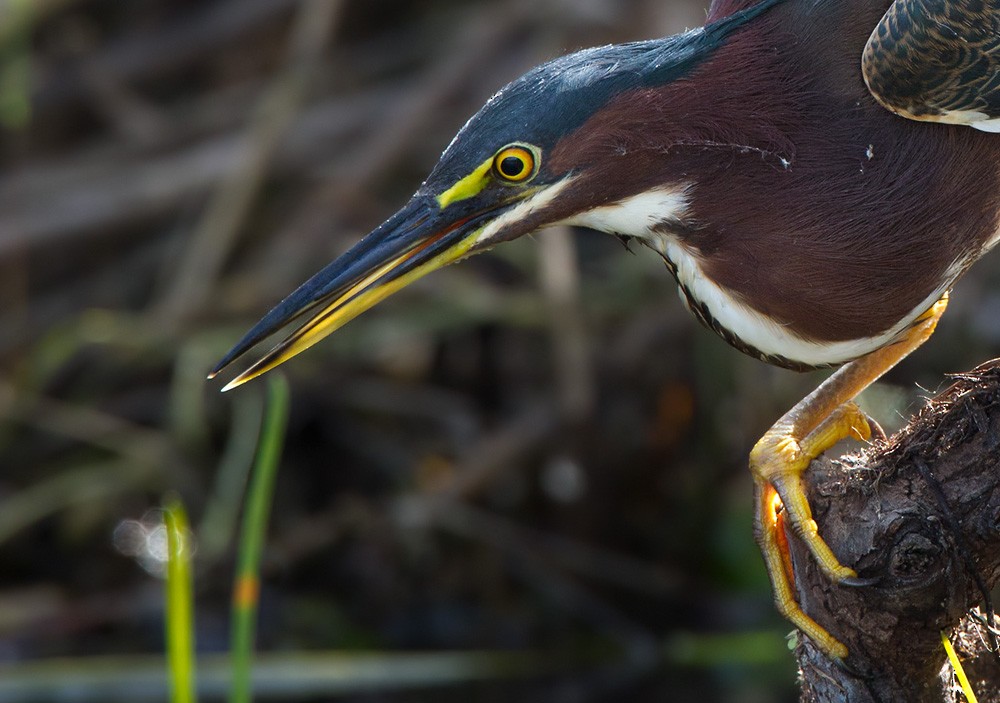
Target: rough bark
point(919, 518)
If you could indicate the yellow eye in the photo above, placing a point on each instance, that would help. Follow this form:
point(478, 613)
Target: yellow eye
point(515, 163)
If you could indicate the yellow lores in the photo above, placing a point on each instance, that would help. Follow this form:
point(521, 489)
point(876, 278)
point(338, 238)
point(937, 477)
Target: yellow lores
point(515, 164)
point(469, 187)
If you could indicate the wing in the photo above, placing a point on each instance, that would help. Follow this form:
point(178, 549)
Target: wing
point(938, 61)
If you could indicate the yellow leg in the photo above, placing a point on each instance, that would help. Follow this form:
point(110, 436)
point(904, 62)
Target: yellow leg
point(782, 455)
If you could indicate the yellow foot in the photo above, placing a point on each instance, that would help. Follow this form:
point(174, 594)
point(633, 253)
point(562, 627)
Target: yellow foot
point(770, 535)
point(778, 461)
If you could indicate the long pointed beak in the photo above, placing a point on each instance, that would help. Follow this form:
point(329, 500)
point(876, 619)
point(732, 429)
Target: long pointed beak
point(415, 241)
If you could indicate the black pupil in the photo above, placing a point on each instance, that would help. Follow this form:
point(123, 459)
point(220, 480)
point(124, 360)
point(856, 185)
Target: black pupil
point(512, 166)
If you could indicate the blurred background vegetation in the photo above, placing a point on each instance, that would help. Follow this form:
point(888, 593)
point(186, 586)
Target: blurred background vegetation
point(521, 478)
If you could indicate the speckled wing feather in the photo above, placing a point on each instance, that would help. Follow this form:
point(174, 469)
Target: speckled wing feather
point(938, 61)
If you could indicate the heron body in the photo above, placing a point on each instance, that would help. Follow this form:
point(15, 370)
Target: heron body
point(760, 156)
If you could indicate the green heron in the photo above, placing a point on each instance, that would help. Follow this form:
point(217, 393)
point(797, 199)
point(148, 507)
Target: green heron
point(804, 222)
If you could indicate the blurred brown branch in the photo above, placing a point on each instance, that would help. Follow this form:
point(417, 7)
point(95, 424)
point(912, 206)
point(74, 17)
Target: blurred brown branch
point(214, 237)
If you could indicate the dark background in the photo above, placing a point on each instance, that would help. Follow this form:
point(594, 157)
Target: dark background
point(535, 450)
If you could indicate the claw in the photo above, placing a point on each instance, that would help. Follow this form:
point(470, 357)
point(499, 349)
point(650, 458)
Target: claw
point(859, 582)
point(875, 431)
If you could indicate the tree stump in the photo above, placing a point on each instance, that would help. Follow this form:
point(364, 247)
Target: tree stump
point(918, 516)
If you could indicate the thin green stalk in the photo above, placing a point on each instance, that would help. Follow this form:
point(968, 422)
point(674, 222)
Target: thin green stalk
point(179, 608)
point(246, 587)
point(222, 512)
point(15, 64)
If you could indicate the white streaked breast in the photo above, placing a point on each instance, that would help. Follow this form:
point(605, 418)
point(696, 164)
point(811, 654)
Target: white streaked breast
point(640, 216)
point(763, 333)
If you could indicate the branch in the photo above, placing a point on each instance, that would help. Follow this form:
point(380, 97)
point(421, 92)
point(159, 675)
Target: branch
point(919, 518)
